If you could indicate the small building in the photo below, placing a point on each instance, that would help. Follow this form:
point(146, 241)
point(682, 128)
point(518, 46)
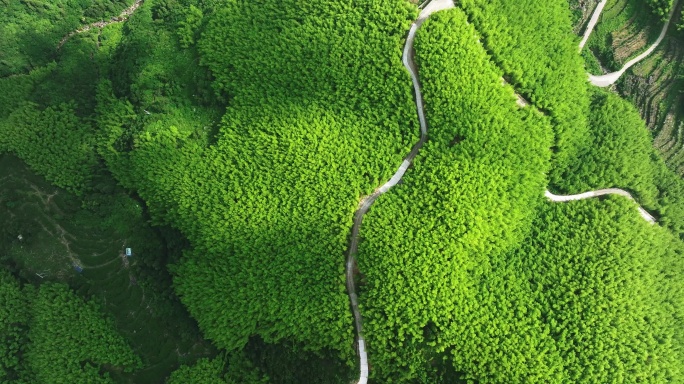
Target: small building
point(78, 268)
point(129, 252)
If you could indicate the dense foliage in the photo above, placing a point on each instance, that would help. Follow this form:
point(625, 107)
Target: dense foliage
point(470, 197)
point(289, 363)
point(590, 296)
point(533, 43)
point(14, 314)
point(54, 142)
point(599, 283)
point(320, 113)
point(59, 229)
point(46, 118)
point(70, 341)
point(622, 156)
point(31, 30)
point(49, 335)
point(233, 368)
point(248, 133)
point(45, 115)
point(449, 283)
point(671, 198)
point(661, 7)
point(204, 371)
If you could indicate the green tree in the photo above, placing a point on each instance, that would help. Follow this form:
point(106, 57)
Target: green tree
point(14, 317)
point(70, 341)
point(54, 142)
point(533, 42)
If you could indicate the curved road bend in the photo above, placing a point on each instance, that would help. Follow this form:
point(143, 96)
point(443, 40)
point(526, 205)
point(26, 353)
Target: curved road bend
point(365, 204)
point(610, 191)
point(611, 78)
point(123, 16)
point(592, 23)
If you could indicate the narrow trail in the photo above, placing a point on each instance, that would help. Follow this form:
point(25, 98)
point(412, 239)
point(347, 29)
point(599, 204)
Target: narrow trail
point(123, 16)
point(592, 23)
point(366, 202)
point(610, 78)
point(601, 192)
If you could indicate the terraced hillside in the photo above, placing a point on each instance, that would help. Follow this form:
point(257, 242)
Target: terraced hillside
point(625, 29)
point(655, 85)
point(46, 234)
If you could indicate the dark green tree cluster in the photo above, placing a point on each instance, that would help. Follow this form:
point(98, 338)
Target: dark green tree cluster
point(163, 78)
point(289, 363)
point(660, 7)
point(137, 294)
point(470, 196)
point(15, 90)
point(204, 371)
point(14, 317)
point(54, 142)
point(320, 113)
point(189, 26)
point(31, 29)
point(70, 75)
point(163, 86)
point(70, 341)
point(49, 335)
point(232, 368)
point(45, 115)
point(532, 41)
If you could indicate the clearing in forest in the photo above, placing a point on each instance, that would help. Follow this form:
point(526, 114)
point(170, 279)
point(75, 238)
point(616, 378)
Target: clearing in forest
point(60, 237)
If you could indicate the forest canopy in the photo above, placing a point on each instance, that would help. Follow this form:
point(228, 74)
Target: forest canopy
point(543, 67)
point(179, 187)
point(622, 156)
point(471, 196)
point(51, 335)
point(270, 203)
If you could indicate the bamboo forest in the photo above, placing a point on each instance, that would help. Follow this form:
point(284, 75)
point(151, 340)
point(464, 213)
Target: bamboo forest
point(341, 191)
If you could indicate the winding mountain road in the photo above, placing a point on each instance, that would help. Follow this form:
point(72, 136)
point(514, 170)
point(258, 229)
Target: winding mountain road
point(610, 78)
point(123, 16)
point(609, 191)
point(365, 204)
point(592, 23)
